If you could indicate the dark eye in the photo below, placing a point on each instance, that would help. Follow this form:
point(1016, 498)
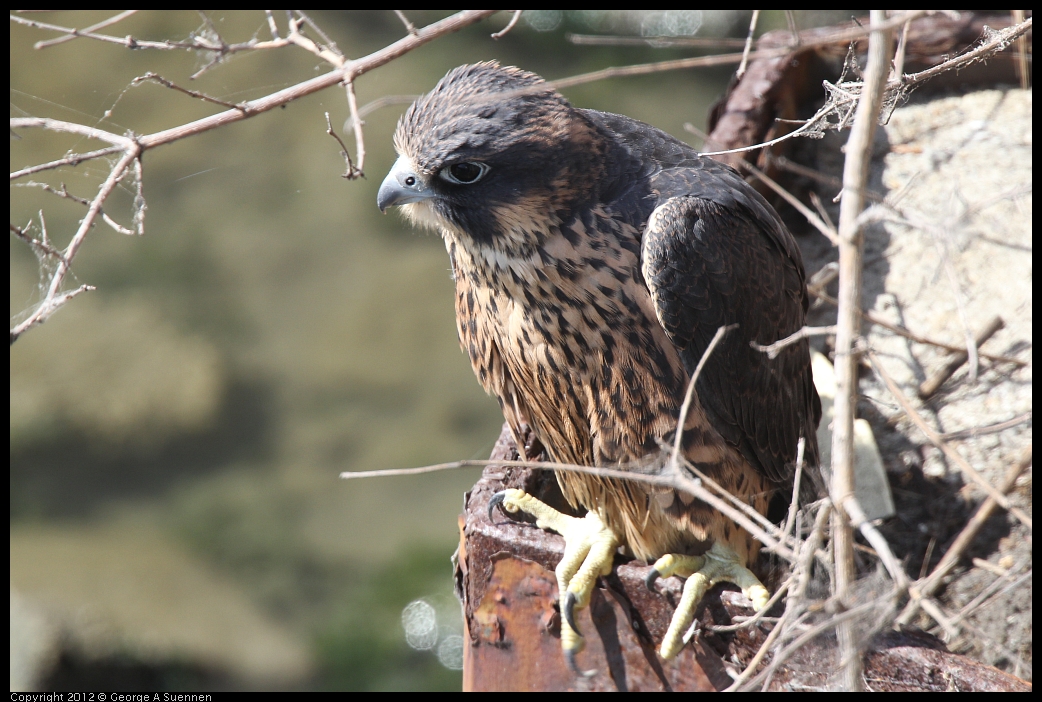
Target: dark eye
point(464, 173)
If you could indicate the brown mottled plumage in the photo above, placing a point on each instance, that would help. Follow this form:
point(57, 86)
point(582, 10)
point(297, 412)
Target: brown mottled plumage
point(594, 258)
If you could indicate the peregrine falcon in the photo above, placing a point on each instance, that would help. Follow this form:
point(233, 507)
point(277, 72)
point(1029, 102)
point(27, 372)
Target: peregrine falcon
point(594, 259)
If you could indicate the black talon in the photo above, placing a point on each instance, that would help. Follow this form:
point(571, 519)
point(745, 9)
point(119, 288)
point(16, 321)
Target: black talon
point(497, 499)
point(650, 578)
point(570, 657)
point(568, 612)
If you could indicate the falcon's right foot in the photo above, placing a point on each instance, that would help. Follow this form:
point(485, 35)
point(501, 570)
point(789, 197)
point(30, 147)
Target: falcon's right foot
point(589, 549)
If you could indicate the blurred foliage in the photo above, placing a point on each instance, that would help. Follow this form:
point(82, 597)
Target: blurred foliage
point(362, 646)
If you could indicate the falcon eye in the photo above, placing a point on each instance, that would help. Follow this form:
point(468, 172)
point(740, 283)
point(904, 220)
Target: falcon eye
point(465, 172)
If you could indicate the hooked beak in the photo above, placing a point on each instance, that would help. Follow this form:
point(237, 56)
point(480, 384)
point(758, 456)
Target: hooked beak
point(402, 186)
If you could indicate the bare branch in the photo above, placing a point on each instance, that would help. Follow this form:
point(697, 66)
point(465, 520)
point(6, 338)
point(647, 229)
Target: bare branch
point(851, 244)
point(133, 146)
point(80, 32)
point(48, 307)
point(997, 42)
point(56, 125)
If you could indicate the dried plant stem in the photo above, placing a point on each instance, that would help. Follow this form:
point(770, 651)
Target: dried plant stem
point(851, 244)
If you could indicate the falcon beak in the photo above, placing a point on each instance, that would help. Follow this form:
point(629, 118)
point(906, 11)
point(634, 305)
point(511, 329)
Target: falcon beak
point(402, 186)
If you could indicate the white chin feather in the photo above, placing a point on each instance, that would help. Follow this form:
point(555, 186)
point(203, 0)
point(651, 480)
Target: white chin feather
point(422, 215)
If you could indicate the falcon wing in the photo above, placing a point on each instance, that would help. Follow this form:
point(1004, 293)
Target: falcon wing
point(715, 254)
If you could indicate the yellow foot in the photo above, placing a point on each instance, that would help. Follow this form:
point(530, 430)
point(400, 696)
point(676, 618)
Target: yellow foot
point(718, 564)
point(589, 548)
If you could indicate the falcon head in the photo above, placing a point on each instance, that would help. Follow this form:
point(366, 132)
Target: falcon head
point(493, 157)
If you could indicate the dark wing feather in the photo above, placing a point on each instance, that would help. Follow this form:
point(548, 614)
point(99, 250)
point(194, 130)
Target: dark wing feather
point(715, 254)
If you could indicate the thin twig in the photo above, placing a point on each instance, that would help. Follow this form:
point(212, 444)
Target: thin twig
point(76, 33)
point(155, 77)
point(795, 605)
point(839, 619)
point(328, 53)
point(859, 520)
point(987, 429)
point(64, 193)
point(327, 41)
point(685, 408)
point(998, 42)
point(357, 123)
point(70, 160)
point(902, 331)
point(760, 616)
point(49, 306)
point(772, 350)
point(935, 381)
point(510, 25)
point(380, 103)
point(57, 125)
point(676, 482)
point(825, 228)
point(794, 501)
point(934, 438)
point(272, 26)
point(350, 169)
point(992, 592)
point(198, 42)
point(898, 64)
point(929, 585)
point(409, 26)
point(748, 45)
point(41, 246)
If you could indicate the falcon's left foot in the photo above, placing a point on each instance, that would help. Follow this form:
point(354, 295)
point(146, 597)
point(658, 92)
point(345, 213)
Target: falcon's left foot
point(718, 564)
point(589, 548)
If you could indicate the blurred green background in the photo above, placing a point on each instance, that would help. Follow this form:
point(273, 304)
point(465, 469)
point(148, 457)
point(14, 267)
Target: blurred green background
point(176, 517)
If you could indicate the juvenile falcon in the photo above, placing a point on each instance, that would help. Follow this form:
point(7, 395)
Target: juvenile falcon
point(594, 258)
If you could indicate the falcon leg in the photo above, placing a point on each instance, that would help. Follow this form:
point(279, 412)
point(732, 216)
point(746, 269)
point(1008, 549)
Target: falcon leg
point(589, 548)
point(718, 564)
